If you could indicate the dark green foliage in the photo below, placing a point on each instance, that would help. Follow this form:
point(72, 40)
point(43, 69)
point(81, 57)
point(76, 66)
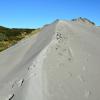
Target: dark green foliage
point(7, 33)
point(9, 37)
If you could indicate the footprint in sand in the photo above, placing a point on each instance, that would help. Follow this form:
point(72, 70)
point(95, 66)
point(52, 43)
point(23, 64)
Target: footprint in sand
point(10, 97)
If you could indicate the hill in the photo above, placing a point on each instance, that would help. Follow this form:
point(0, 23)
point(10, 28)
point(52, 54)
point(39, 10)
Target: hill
point(62, 62)
point(9, 37)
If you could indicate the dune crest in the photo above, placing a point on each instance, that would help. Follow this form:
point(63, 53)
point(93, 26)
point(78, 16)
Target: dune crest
point(60, 63)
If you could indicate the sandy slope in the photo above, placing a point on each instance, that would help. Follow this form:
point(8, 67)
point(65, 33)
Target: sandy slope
point(61, 63)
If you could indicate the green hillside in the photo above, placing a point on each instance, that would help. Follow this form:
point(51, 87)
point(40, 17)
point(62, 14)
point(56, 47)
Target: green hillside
point(9, 37)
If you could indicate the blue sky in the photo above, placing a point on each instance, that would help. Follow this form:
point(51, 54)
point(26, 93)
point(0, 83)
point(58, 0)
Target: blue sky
point(35, 13)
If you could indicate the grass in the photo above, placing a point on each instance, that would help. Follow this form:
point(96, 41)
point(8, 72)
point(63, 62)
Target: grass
point(9, 37)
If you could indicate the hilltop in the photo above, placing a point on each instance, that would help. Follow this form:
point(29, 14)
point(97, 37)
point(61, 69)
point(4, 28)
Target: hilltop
point(62, 62)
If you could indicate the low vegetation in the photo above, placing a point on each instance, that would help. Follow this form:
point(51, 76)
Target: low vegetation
point(84, 19)
point(9, 37)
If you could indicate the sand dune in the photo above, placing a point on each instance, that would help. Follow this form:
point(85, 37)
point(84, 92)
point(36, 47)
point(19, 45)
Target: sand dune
point(60, 63)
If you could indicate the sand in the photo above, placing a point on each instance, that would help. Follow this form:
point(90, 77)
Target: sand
point(59, 63)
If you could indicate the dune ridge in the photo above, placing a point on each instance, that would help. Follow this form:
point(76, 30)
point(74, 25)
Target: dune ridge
point(59, 63)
